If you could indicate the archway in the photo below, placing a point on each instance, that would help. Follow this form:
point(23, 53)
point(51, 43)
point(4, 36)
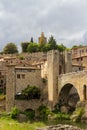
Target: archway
point(69, 96)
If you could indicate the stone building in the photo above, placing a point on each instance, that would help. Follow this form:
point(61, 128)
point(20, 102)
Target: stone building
point(79, 57)
point(47, 68)
point(49, 72)
point(42, 39)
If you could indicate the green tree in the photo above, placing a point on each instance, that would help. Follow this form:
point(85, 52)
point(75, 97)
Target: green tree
point(52, 43)
point(61, 47)
point(31, 92)
point(24, 46)
point(43, 47)
point(10, 48)
point(32, 47)
point(32, 40)
point(76, 46)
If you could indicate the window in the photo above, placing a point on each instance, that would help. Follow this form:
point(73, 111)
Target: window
point(23, 76)
point(77, 59)
point(81, 58)
point(1, 81)
point(82, 51)
point(18, 76)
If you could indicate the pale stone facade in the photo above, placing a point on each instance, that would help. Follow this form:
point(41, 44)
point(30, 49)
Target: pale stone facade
point(79, 56)
point(53, 67)
point(42, 39)
point(25, 76)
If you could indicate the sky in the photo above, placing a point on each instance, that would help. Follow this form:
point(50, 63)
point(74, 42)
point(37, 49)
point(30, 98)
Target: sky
point(66, 20)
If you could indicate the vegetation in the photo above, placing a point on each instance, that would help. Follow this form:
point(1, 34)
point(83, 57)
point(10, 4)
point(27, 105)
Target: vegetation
point(52, 43)
point(44, 112)
point(30, 92)
point(24, 46)
point(76, 116)
point(14, 113)
point(7, 122)
point(21, 57)
point(2, 96)
point(10, 48)
point(76, 46)
point(61, 47)
point(30, 114)
point(32, 47)
point(61, 116)
point(10, 124)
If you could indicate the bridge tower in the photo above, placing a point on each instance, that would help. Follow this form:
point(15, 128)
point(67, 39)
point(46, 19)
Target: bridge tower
point(53, 72)
point(68, 62)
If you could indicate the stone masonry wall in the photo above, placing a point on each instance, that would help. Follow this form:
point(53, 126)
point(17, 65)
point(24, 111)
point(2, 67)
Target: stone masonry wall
point(53, 72)
point(30, 104)
point(77, 79)
point(31, 77)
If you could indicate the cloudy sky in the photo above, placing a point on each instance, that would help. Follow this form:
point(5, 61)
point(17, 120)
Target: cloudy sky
point(66, 20)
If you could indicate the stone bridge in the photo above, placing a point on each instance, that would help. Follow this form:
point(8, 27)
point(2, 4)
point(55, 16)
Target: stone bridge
point(72, 83)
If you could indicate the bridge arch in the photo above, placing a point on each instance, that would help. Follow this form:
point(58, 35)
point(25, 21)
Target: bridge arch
point(68, 95)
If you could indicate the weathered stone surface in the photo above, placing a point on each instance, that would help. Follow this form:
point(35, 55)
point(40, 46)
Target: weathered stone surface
point(84, 106)
point(84, 117)
point(22, 118)
point(60, 127)
point(64, 109)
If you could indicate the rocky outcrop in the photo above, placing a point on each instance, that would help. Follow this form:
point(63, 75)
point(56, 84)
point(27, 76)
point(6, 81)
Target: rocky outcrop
point(84, 106)
point(60, 127)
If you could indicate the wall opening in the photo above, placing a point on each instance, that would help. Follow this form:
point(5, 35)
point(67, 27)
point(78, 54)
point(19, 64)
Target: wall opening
point(69, 96)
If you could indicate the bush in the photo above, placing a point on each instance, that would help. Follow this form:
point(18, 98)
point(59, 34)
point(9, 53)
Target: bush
point(30, 92)
point(30, 114)
point(44, 112)
point(57, 108)
point(62, 116)
point(21, 58)
point(14, 113)
point(2, 97)
point(76, 117)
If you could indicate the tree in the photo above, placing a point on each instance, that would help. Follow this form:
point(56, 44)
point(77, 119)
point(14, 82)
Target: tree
point(32, 40)
point(31, 92)
point(32, 47)
point(61, 47)
point(52, 43)
point(76, 46)
point(24, 46)
point(10, 48)
point(44, 47)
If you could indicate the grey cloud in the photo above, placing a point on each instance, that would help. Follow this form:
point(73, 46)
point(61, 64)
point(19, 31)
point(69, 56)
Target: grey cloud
point(21, 19)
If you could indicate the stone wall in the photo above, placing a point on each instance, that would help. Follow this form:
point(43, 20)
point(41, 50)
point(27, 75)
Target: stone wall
point(27, 76)
point(10, 88)
point(30, 104)
point(2, 105)
point(84, 106)
point(77, 79)
point(53, 72)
